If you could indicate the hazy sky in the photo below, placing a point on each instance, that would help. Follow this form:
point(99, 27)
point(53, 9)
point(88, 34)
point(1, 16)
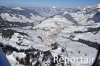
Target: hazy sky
point(48, 3)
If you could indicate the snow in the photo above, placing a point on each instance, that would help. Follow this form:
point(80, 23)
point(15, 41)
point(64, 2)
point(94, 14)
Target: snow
point(98, 6)
point(54, 7)
point(20, 55)
point(71, 47)
point(15, 40)
point(91, 37)
point(20, 18)
point(11, 59)
point(18, 8)
point(53, 30)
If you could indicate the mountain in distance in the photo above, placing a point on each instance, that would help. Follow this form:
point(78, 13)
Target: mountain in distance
point(18, 15)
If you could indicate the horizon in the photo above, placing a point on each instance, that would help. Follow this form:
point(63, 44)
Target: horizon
point(49, 3)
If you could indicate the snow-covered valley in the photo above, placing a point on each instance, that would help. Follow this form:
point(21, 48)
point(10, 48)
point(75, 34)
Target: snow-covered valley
point(65, 36)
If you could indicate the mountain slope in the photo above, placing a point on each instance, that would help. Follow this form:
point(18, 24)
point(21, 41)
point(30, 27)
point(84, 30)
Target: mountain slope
point(21, 16)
